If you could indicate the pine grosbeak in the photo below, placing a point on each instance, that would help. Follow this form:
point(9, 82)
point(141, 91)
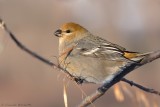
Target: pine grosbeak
point(91, 58)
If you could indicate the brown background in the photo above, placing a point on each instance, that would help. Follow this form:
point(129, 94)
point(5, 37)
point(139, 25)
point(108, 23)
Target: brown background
point(134, 24)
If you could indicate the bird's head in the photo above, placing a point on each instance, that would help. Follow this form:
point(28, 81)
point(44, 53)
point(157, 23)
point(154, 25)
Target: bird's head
point(70, 32)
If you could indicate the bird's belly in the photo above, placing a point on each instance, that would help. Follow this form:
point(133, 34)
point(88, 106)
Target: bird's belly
point(91, 69)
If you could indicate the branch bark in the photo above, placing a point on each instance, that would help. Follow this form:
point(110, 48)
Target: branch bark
point(101, 90)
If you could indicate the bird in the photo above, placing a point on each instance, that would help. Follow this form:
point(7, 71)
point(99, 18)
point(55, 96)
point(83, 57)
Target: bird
point(89, 58)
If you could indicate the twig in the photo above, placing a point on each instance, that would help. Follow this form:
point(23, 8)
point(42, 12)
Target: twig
point(27, 50)
point(140, 86)
point(101, 90)
point(19, 44)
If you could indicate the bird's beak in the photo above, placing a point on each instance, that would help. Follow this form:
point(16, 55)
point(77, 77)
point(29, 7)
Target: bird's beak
point(58, 33)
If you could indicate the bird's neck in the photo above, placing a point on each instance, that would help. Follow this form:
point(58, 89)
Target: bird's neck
point(65, 43)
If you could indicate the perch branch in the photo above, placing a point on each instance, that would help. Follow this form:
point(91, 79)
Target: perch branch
point(101, 90)
point(132, 66)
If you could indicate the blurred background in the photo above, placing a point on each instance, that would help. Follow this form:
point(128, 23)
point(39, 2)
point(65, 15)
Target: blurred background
point(133, 24)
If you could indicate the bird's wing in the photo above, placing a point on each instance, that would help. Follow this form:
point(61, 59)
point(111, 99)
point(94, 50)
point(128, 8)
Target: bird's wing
point(99, 48)
point(104, 52)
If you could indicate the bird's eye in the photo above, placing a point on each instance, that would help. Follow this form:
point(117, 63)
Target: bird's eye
point(68, 31)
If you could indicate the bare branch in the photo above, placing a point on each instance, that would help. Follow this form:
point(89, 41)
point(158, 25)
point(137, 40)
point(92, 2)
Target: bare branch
point(141, 87)
point(90, 99)
point(33, 54)
point(19, 44)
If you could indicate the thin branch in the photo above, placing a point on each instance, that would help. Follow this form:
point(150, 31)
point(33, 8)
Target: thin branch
point(20, 45)
point(27, 50)
point(140, 86)
point(101, 90)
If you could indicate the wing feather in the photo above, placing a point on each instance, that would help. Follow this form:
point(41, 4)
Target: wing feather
point(97, 47)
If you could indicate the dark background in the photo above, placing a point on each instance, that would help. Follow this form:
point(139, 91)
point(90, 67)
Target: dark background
point(134, 24)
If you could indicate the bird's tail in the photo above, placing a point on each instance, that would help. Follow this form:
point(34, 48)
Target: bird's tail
point(135, 56)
